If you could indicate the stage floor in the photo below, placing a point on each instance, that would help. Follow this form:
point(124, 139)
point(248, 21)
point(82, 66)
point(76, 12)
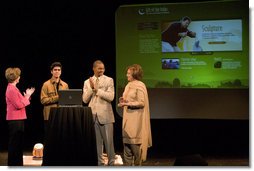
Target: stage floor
point(155, 160)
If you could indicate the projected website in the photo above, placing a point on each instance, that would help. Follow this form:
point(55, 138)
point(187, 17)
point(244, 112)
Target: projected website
point(211, 35)
point(186, 55)
point(212, 52)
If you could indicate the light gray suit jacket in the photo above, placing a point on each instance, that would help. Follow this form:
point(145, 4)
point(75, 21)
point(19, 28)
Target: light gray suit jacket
point(100, 102)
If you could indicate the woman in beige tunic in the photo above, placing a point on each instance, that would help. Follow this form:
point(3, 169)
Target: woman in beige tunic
point(136, 129)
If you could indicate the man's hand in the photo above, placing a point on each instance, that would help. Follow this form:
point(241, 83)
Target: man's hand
point(91, 82)
point(183, 34)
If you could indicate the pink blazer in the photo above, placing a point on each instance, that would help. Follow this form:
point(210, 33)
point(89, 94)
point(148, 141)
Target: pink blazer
point(16, 103)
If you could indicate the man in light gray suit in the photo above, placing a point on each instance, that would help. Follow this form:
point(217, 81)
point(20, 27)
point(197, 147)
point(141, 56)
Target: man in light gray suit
point(99, 92)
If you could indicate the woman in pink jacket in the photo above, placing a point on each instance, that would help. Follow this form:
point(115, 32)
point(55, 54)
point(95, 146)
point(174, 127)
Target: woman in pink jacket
point(15, 115)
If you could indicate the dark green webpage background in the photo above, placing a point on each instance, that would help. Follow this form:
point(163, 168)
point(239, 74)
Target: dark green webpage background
point(138, 40)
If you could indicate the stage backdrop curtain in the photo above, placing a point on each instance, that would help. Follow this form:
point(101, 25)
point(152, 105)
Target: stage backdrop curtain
point(70, 139)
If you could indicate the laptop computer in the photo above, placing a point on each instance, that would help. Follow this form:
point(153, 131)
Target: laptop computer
point(70, 97)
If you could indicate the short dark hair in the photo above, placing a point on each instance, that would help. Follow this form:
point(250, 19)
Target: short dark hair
point(54, 64)
point(186, 18)
point(97, 62)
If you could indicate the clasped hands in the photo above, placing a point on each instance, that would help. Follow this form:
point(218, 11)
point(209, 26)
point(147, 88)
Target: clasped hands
point(93, 86)
point(122, 102)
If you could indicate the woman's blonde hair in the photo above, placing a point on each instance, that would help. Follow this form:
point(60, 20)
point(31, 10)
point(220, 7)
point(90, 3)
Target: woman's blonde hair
point(137, 71)
point(11, 74)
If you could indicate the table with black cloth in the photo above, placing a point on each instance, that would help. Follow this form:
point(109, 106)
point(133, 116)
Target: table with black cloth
point(70, 138)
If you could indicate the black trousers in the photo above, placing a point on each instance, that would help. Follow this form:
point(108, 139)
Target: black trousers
point(45, 130)
point(16, 139)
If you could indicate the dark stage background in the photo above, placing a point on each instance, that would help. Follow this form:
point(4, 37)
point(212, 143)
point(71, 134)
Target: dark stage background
point(36, 33)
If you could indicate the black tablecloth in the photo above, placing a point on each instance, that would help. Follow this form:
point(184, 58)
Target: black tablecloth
point(70, 139)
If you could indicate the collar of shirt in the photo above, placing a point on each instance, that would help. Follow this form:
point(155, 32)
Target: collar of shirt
point(94, 78)
point(53, 81)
